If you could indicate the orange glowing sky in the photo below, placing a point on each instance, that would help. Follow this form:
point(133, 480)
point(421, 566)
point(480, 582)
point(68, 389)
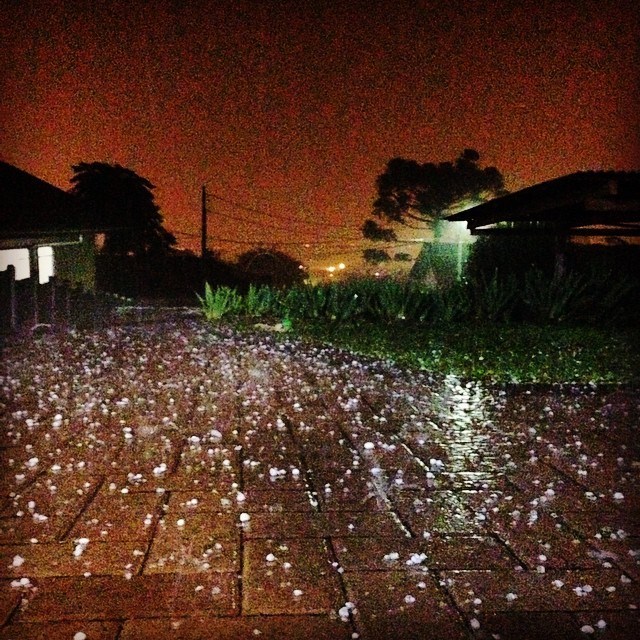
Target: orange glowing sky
point(293, 107)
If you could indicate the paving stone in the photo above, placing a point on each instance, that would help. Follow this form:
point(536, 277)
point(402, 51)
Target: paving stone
point(592, 473)
point(620, 625)
point(259, 479)
point(58, 559)
point(441, 552)
point(365, 525)
point(134, 467)
point(471, 481)
point(402, 605)
point(268, 587)
point(200, 470)
point(271, 448)
point(9, 599)
point(544, 541)
point(113, 515)
point(61, 630)
point(328, 455)
point(527, 625)
point(352, 492)
point(482, 503)
point(272, 501)
point(623, 553)
point(552, 491)
point(108, 598)
point(467, 552)
point(537, 592)
point(189, 502)
point(171, 558)
point(24, 529)
point(368, 554)
point(204, 542)
point(286, 525)
point(61, 494)
point(204, 526)
point(437, 512)
point(604, 524)
point(290, 627)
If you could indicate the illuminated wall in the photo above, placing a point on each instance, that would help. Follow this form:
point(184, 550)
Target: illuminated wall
point(73, 262)
point(19, 258)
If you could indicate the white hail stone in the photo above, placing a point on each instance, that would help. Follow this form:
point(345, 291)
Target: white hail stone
point(18, 561)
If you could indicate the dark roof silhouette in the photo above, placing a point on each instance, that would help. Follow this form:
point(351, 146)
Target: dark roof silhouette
point(582, 203)
point(30, 206)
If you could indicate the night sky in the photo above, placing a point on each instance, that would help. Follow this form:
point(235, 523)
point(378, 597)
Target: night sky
point(292, 108)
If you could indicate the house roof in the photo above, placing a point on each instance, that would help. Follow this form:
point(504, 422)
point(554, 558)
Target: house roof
point(583, 203)
point(31, 207)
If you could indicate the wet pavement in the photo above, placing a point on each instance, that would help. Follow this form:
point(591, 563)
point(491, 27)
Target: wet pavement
point(170, 480)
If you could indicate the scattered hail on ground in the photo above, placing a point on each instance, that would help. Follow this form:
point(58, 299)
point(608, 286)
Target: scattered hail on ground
point(250, 479)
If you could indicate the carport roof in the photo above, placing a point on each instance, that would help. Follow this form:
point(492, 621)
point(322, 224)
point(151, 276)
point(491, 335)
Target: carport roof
point(595, 203)
point(31, 207)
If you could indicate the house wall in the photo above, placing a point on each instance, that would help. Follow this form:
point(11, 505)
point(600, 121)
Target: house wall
point(19, 258)
point(76, 263)
point(72, 261)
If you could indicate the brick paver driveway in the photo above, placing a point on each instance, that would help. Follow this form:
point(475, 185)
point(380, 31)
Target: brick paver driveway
point(170, 480)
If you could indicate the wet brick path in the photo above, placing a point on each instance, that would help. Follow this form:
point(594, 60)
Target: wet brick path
point(172, 481)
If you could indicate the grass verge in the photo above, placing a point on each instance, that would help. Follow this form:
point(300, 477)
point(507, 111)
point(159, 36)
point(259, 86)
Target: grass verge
point(497, 353)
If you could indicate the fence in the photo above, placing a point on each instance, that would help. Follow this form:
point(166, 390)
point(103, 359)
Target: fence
point(26, 305)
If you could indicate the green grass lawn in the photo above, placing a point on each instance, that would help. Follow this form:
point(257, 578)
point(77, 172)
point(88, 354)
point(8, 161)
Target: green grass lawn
point(499, 353)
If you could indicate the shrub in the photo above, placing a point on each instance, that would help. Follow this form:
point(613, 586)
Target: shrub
point(218, 303)
point(260, 301)
point(554, 299)
point(610, 298)
point(344, 301)
point(387, 300)
point(495, 299)
point(305, 302)
point(452, 304)
point(510, 255)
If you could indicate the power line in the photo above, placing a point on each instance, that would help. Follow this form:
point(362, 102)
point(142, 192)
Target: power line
point(286, 226)
point(287, 219)
point(291, 220)
point(332, 244)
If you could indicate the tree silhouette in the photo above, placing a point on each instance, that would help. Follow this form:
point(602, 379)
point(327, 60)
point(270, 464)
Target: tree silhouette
point(121, 202)
point(269, 266)
point(408, 190)
point(373, 231)
point(375, 256)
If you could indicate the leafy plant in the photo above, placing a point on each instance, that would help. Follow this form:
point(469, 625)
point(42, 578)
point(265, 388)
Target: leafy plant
point(305, 302)
point(495, 299)
point(344, 302)
point(554, 299)
point(260, 301)
point(387, 301)
point(452, 304)
point(218, 303)
point(610, 298)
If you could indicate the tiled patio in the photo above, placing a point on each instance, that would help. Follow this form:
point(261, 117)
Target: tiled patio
point(171, 481)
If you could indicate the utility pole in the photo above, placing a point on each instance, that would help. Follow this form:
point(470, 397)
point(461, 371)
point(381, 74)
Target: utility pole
point(203, 238)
